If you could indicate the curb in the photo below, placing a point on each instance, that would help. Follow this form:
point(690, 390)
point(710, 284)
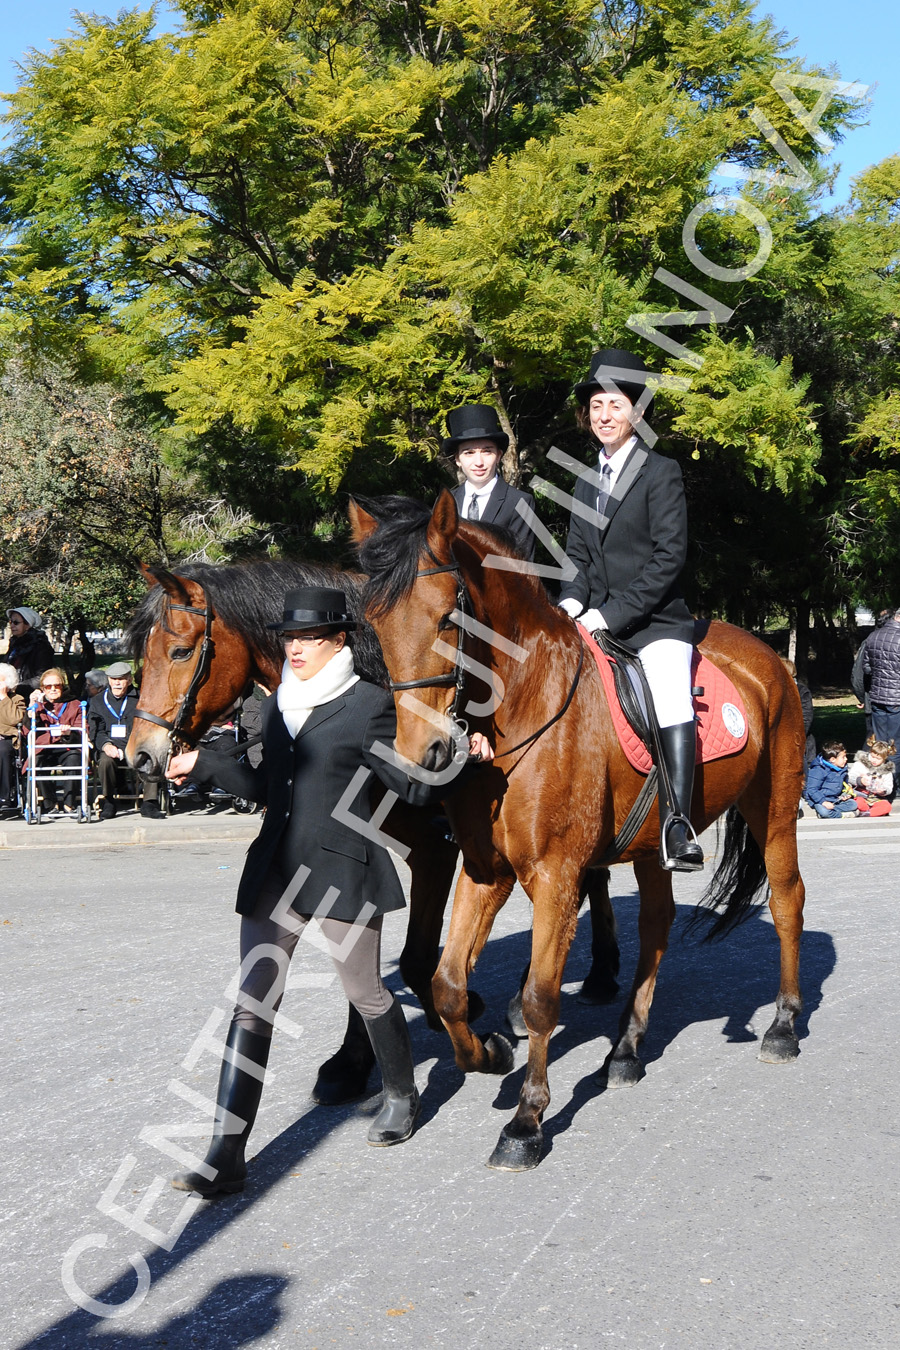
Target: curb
point(128, 832)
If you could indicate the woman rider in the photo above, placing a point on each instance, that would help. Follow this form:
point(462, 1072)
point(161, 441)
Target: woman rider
point(629, 554)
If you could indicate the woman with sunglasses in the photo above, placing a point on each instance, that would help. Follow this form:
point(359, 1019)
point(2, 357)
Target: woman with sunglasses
point(316, 854)
point(58, 722)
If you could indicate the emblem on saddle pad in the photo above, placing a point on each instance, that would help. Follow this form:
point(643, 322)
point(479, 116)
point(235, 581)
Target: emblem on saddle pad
point(734, 720)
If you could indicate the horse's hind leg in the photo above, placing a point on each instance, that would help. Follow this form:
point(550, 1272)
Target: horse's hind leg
point(771, 817)
point(600, 985)
point(654, 922)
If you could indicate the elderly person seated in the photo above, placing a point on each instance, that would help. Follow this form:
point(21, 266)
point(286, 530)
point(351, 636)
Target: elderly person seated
point(110, 718)
point(12, 714)
point(58, 722)
point(29, 648)
point(95, 681)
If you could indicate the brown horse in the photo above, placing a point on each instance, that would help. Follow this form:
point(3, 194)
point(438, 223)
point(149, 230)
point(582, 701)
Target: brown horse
point(202, 637)
point(548, 807)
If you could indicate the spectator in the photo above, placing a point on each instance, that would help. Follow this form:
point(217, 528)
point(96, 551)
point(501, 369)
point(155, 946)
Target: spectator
point(871, 775)
point(12, 714)
point(858, 680)
point(29, 647)
point(110, 719)
point(827, 789)
point(95, 681)
point(57, 721)
point(476, 444)
point(881, 663)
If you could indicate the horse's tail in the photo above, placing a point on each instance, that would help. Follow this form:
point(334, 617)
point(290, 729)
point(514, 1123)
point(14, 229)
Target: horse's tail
point(733, 893)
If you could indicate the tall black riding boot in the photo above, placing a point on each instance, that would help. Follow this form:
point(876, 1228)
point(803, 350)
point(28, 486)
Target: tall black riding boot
point(238, 1096)
point(396, 1120)
point(679, 745)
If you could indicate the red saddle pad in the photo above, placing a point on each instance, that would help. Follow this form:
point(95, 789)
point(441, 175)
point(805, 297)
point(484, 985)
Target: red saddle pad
point(720, 712)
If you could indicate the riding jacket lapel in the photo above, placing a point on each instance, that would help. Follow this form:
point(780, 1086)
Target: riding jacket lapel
point(320, 715)
point(495, 501)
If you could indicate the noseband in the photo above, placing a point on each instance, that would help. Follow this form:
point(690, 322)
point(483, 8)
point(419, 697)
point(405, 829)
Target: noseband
point(175, 729)
point(456, 676)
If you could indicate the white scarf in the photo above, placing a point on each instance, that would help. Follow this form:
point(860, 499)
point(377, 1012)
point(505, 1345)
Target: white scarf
point(297, 698)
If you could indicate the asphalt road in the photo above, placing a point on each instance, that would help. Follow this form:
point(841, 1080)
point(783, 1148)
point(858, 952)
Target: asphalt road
point(721, 1203)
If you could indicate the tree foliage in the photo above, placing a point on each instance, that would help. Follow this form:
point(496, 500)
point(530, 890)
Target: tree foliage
point(307, 230)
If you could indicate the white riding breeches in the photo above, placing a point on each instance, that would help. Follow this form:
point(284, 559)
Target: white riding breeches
point(667, 666)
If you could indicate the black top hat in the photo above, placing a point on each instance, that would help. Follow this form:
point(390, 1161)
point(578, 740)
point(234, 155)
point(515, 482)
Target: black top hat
point(473, 422)
point(314, 607)
point(616, 359)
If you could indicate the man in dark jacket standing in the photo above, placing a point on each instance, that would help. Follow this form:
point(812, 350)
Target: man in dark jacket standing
point(110, 716)
point(881, 669)
point(628, 540)
point(476, 444)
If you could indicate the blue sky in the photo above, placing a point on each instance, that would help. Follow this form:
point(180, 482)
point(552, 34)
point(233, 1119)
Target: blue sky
point(862, 40)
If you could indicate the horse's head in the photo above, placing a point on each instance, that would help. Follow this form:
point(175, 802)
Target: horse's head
point(413, 590)
point(182, 688)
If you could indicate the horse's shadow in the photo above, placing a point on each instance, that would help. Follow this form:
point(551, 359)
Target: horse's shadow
point(731, 980)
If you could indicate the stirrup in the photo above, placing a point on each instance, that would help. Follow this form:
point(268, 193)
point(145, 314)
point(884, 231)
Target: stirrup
point(666, 861)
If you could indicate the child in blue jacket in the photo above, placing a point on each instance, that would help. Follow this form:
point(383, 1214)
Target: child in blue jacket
point(827, 788)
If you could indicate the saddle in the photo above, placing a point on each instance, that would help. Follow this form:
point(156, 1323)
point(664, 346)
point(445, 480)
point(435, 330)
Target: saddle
point(722, 727)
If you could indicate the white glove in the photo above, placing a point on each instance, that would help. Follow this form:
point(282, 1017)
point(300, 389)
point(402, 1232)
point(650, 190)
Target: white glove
point(592, 619)
point(572, 606)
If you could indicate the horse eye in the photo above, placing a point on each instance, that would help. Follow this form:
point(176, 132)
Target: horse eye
point(445, 623)
point(180, 653)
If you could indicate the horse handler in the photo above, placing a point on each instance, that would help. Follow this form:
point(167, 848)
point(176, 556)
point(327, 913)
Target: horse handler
point(629, 548)
point(318, 730)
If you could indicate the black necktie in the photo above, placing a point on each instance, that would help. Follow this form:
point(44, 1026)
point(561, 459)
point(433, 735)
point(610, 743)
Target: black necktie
point(603, 490)
point(474, 510)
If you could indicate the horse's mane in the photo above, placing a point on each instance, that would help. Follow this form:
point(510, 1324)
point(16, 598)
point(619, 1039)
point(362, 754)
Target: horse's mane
point(390, 557)
point(248, 596)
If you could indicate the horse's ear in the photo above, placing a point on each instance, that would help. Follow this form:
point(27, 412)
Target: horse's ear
point(362, 524)
point(444, 524)
point(171, 584)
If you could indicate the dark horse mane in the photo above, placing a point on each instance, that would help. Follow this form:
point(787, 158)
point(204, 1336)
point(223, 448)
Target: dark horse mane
point(248, 596)
point(390, 556)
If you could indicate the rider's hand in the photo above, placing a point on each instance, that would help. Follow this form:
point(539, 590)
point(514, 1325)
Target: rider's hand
point(592, 619)
point(181, 766)
point(480, 747)
point(571, 606)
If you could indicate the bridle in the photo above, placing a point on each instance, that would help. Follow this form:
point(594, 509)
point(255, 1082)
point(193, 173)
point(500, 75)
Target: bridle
point(457, 676)
point(176, 731)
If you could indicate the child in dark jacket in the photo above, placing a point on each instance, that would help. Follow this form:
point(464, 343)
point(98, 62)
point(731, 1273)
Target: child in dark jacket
point(827, 789)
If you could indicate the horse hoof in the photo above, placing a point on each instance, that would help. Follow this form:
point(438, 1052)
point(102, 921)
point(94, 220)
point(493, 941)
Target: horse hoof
point(598, 990)
point(476, 1006)
point(501, 1056)
point(514, 1154)
point(624, 1072)
point(779, 1049)
point(514, 1017)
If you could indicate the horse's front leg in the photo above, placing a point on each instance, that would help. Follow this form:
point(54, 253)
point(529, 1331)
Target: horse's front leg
point(654, 922)
point(556, 904)
point(475, 906)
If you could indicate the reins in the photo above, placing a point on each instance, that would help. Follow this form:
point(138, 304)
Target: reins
point(457, 676)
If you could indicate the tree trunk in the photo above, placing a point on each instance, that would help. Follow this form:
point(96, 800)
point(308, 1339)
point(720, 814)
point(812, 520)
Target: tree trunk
point(801, 650)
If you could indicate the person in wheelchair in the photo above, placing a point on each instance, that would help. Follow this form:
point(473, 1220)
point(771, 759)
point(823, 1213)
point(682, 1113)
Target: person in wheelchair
point(12, 715)
point(58, 726)
point(110, 716)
